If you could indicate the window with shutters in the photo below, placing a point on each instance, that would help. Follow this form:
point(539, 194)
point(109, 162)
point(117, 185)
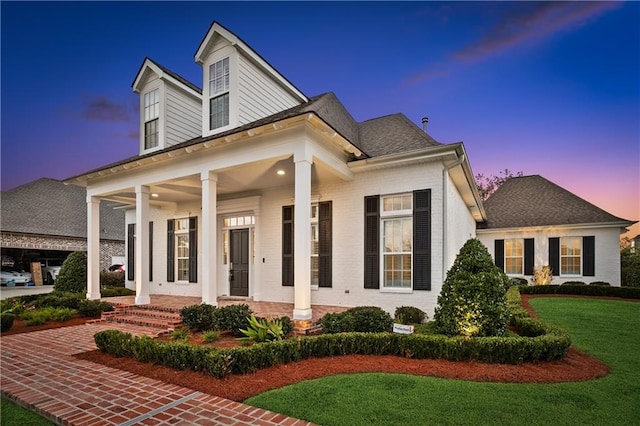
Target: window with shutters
point(397, 241)
point(315, 259)
point(514, 256)
point(570, 256)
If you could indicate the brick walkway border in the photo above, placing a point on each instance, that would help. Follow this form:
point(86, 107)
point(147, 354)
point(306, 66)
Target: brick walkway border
point(39, 372)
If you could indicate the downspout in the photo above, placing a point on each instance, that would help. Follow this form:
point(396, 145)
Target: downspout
point(445, 173)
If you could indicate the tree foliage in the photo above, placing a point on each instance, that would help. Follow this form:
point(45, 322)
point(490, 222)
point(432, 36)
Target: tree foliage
point(487, 185)
point(630, 267)
point(73, 274)
point(472, 300)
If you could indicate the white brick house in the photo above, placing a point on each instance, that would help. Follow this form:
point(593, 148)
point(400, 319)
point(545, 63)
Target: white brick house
point(249, 188)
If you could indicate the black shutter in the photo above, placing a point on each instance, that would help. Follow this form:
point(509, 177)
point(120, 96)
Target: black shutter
point(150, 251)
point(589, 256)
point(422, 239)
point(131, 251)
point(498, 253)
point(528, 256)
point(324, 244)
point(372, 241)
point(554, 255)
point(287, 245)
point(193, 249)
point(171, 250)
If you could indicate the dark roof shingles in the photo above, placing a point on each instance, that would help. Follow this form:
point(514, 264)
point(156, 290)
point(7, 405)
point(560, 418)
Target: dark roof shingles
point(535, 201)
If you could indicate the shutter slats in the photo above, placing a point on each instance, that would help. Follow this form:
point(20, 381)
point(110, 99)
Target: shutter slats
point(325, 244)
point(171, 250)
point(529, 251)
point(554, 255)
point(498, 250)
point(422, 239)
point(131, 251)
point(589, 256)
point(287, 246)
point(372, 241)
point(193, 249)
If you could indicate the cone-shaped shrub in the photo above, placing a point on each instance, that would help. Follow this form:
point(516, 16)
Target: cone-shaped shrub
point(73, 274)
point(472, 300)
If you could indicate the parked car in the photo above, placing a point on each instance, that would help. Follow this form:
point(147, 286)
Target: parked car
point(116, 268)
point(10, 277)
point(50, 270)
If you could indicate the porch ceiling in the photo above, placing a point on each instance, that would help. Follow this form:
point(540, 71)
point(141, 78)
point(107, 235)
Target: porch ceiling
point(249, 178)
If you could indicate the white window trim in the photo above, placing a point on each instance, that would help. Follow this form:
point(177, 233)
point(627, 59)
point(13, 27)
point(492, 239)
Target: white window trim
point(580, 240)
point(514, 274)
point(227, 52)
point(394, 214)
point(161, 114)
point(177, 234)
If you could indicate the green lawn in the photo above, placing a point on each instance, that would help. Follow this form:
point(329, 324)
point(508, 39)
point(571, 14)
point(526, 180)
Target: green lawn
point(12, 414)
point(607, 329)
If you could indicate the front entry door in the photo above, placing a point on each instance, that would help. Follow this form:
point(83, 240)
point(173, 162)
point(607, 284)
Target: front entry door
point(239, 275)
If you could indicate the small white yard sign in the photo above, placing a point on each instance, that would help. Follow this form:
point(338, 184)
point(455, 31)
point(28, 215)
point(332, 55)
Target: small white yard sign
point(402, 329)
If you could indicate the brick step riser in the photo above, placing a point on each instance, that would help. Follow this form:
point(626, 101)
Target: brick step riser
point(145, 321)
point(152, 314)
point(147, 308)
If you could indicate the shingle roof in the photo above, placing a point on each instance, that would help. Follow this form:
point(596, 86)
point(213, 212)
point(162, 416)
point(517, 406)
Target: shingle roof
point(535, 201)
point(49, 207)
point(380, 136)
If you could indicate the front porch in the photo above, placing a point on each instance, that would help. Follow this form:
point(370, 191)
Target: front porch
point(173, 304)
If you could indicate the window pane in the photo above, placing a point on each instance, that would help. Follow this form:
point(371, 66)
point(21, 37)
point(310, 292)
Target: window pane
point(570, 256)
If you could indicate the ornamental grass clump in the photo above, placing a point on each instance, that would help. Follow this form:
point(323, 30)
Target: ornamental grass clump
point(472, 300)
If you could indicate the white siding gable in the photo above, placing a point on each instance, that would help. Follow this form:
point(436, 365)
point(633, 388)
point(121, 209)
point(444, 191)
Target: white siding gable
point(256, 90)
point(183, 114)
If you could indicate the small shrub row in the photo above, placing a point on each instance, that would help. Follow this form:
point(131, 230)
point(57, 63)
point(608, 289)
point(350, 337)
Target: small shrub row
point(93, 308)
point(362, 319)
point(233, 318)
point(112, 279)
point(6, 321)
point(59, 299)
point(584, 290)
point(42, 315)
point(409, 315)
point(116, 291)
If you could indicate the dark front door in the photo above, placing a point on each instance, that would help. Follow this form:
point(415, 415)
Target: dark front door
point(239, 262)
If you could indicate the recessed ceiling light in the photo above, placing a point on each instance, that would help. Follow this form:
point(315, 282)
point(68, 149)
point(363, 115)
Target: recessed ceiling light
point(154, 195)
point(280, 172)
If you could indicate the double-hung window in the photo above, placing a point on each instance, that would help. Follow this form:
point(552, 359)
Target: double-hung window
point(182, 249)
point(513, 256)
point(315, 246)
point(219, 94)
point(151, 118)
point(397, 240)
point(570, 255)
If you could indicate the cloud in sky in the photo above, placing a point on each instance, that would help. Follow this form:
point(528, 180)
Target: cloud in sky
point(526, 24)
point(101, 108)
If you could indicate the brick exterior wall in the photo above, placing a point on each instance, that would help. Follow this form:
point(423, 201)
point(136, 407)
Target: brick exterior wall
point(108, 248)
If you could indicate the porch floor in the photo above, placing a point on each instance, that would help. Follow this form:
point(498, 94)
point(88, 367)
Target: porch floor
point(261, 309)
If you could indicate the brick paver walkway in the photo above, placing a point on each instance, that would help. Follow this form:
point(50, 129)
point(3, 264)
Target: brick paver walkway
point(38, 371)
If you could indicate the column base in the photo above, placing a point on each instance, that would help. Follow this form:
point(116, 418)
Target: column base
point(142, 300)
point(302, 314)
point(93, 296)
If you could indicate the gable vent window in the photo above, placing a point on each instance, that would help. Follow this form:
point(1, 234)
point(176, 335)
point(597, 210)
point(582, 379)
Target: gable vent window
point(219, 94)
point(151, 114)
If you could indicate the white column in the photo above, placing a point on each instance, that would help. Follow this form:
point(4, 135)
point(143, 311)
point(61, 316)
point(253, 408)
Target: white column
point(209, 240)
point(142, 246)
point(302, 238)
point(93, 248)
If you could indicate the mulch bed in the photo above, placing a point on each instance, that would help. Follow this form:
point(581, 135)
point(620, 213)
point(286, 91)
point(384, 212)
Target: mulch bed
point(576, 366)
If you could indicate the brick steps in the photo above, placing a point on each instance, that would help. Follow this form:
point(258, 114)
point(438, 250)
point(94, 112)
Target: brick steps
point(162, 318)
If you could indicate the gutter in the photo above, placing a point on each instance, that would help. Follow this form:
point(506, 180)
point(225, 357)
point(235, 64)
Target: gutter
point(445, 173)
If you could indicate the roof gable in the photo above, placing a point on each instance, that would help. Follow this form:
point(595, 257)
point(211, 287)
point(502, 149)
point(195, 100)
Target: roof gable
point(535, 201)
point(149, 66)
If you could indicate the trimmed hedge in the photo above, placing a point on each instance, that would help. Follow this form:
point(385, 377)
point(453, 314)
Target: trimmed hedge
point(545, 343)
point(584, 290)
point(116, 291)
point(362, 319)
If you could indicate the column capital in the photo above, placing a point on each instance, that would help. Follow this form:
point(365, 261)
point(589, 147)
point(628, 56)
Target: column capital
point(142, 189)
point(209, 175)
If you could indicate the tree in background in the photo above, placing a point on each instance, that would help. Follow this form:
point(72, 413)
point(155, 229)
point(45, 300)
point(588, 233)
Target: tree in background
point(487, 185)
point(630, 267)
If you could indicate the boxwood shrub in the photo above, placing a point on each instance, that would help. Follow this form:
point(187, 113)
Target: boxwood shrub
point(363, 319)
point(409, 315)
point(584, 290)
point(6, 321)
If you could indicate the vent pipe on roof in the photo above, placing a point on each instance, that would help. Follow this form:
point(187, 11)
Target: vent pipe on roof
point(425, 120)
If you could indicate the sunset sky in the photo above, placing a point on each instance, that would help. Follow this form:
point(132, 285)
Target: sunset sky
point(547, 88)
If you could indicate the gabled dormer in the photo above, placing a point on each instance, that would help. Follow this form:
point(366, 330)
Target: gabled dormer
point(170, 107)
point(239, 85)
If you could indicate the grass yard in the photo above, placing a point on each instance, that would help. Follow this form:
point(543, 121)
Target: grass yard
point(11, 414)
point(607, 329)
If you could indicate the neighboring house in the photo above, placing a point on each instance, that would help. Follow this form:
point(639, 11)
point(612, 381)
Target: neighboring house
point(252, 189)
point(634, 243)
point(45, 220)
point(532, 222)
